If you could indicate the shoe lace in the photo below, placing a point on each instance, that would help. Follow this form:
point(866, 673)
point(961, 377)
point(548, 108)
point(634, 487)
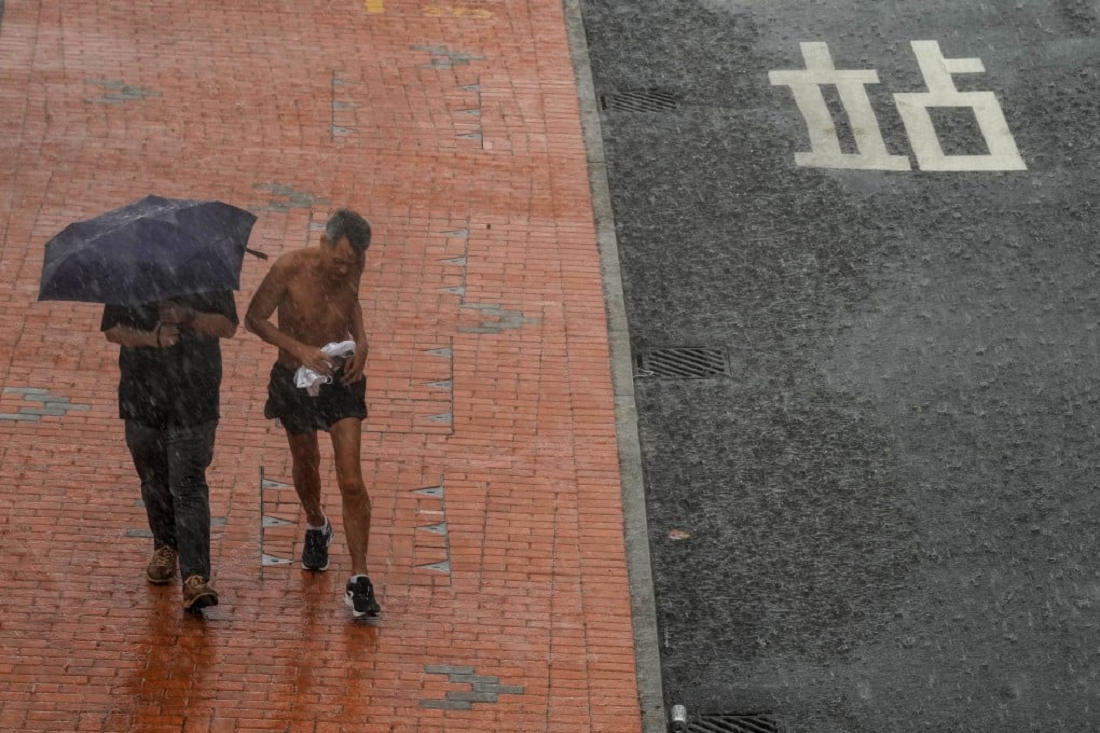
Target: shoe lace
point(194, 582)
point(163, 557)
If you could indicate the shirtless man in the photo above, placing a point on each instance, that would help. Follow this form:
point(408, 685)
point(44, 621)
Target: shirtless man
point(316, 292)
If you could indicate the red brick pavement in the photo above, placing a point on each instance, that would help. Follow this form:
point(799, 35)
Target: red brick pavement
point(490, 450)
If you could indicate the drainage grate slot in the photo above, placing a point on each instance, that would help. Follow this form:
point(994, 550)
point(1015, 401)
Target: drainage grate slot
point(725, 723)
point(645, 100)
point(684, 363)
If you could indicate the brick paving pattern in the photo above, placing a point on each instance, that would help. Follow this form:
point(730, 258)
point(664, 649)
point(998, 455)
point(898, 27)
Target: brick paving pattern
point(490, 450)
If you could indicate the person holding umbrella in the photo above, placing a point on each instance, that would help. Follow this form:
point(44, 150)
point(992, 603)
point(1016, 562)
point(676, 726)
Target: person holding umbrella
point(165, 270)
point(168, 394)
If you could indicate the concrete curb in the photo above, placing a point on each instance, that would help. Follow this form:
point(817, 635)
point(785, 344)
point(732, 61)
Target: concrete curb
point(636, 530)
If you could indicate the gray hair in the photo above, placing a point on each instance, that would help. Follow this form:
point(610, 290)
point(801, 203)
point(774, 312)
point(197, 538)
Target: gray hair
point(346, 223)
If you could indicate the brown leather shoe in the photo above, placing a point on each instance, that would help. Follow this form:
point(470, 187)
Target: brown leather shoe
point(197, 593)
point(162, 565)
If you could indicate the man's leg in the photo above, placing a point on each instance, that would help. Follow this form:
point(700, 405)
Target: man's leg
point(149, 451)
point(306, 457)
point(346, 436)
point(190, 451)
point(359, 591)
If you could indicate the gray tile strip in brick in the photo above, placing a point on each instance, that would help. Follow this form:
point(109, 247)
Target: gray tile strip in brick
point(54, 411)
point(472, 696)
point(447, 669)
point(474, 678)
point(445, 704)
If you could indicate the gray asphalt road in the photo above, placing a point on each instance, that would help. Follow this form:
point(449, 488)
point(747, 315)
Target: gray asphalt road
point(884, 519)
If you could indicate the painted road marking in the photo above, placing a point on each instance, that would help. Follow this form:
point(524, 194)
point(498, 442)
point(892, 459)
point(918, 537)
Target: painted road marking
point(378, 7)
point(913, 107)
point(937, 71)
point(806, 86)
point(437, 11)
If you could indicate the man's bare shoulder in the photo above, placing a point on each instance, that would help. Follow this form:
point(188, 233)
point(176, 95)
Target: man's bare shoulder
point(292, 263)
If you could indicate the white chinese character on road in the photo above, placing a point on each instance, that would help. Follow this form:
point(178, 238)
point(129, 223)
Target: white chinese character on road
point(806, 86)
point(913, 108)
point(937, 71)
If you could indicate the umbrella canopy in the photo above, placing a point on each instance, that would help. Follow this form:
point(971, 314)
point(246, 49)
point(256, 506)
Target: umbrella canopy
point(151, 250)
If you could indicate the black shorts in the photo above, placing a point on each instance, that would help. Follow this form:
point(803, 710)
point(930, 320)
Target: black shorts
point(299, 413)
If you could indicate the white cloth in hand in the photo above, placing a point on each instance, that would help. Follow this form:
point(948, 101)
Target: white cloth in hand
point(310, 380)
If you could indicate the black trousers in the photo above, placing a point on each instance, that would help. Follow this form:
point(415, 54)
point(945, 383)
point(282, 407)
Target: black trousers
point(172, 463)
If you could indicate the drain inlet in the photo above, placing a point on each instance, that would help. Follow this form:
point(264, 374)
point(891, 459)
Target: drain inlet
point(732, 723)
point(642, 100)
point(682, 362)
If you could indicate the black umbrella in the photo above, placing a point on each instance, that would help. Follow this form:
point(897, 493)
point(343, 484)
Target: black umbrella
point(151, 250)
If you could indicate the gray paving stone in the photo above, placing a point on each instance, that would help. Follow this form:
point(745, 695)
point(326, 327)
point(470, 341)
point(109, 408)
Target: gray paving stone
point(447, 669)
point(445, 705)
point(472, 696)
point(33, 409)
point(475, 679)
point(48, 398)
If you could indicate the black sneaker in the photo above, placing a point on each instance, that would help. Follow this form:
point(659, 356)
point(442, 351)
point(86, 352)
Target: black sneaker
point(359, 595)
point(315, 552)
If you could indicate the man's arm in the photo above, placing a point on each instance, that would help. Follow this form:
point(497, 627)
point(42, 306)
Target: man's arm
point(354, 370)
point(214, 325)
point(257, 320)
point(161, 337)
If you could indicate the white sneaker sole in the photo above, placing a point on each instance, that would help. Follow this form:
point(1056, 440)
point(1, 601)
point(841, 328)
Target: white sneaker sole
point(350, 602)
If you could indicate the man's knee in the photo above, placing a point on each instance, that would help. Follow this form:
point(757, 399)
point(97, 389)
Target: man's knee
point(306, 456)
point(349, 474)
point(190, 489)
point(355, 496)
point(307, 462)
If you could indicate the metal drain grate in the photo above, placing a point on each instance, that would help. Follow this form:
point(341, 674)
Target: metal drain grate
point(723, 723)
point(645, 100)
point(684, 363)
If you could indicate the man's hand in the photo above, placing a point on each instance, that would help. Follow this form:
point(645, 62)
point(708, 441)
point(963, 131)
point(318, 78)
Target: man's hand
point(353, 368)
point(166, 335)
point(175, 314)
point(313, 358)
